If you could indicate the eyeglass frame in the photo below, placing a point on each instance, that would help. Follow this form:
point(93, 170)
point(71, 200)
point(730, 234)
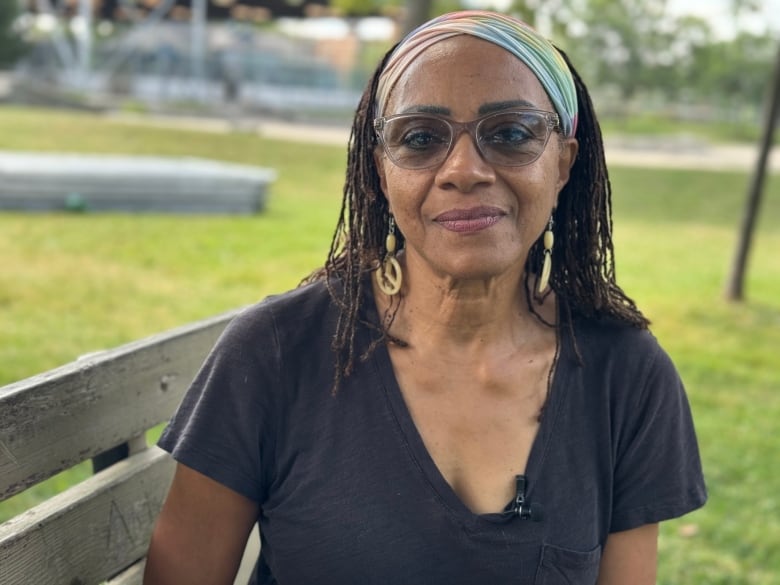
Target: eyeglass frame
point(457, 128)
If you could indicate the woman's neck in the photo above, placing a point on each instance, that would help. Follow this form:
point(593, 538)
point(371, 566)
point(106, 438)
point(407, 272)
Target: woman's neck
point(466, 313)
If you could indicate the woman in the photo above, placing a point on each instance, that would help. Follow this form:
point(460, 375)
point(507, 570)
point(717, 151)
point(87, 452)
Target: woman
point(463, 394)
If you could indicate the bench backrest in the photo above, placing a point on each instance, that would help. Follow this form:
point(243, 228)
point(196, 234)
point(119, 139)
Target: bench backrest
point(98, 408)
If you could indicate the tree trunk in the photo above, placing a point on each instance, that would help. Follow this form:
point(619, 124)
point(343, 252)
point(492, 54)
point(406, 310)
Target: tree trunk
point(736, 282)
point(416, 13)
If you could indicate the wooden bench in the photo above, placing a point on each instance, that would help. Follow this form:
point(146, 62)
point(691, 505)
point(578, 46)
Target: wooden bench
point(98, 407)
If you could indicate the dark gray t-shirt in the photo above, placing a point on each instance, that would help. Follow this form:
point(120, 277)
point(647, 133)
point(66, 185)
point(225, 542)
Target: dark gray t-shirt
point(349, 495)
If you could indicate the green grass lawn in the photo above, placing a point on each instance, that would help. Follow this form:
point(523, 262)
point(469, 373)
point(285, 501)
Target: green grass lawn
point(72, 284)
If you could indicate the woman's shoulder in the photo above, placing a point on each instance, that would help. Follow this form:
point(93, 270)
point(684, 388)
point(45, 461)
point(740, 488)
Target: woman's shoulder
point(266, 343)
point(303, 298)
point(626, 364)
point(605, 333)
point(614, 347)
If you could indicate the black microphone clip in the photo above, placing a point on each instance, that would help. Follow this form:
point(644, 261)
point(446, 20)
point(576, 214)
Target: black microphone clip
point(524, 509)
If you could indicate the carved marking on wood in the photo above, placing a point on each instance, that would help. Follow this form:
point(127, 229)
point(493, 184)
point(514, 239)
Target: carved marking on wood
point(118, 528)
point(6, 452)
point(56, 563)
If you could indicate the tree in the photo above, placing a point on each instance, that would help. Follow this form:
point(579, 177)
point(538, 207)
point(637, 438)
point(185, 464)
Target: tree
point(415, 14)
point(624, 40)
point(550, 17)
point(734, 69)
point(11, 46)
point(736, 280)
point(364, 7)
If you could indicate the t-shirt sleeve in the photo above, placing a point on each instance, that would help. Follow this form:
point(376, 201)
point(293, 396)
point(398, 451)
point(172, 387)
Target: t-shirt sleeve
point(222, 428)
point(657, 468)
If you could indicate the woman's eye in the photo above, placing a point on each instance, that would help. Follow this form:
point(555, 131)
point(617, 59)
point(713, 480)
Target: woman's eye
point(420, 138)
point(509, 135)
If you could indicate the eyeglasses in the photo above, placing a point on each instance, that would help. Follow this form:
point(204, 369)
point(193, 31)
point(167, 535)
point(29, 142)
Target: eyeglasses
point(511, 138)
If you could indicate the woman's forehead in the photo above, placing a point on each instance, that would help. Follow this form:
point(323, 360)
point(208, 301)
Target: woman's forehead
point(465, 73)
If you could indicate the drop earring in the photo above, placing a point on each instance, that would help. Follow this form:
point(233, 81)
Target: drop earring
point(549, 239)
point(389, 276)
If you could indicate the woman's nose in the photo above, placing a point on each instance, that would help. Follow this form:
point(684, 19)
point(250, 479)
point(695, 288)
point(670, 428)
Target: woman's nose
point(464, 168)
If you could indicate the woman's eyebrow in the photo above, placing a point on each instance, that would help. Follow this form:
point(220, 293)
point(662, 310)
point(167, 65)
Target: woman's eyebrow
point(507, 105)
point(483, 109)
point(427, 109)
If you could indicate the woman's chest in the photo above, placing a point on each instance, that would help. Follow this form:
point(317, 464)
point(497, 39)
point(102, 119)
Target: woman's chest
point(357, 496)
point(478, 424)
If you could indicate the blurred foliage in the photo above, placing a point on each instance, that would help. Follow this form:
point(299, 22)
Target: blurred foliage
point(637, 50)
point(641, 49)
point(11, 45)
point(395, 7)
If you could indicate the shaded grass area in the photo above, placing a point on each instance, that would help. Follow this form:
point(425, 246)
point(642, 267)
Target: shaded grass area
point(71, 284)
point(697, 199)
point(659, 125)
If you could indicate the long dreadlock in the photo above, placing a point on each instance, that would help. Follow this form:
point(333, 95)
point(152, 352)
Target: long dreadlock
point(583, 274)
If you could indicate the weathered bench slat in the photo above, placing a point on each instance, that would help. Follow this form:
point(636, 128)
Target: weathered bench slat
point(90, 532)
point(55, 420)
point(135, 574)
point(132, 576)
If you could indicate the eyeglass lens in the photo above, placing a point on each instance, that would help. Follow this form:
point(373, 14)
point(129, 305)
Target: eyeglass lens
point(418, 141)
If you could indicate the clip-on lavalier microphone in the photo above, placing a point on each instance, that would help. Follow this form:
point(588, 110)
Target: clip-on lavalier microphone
point(524, 509)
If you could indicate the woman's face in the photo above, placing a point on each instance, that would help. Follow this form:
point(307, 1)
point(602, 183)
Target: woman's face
point(469, 219)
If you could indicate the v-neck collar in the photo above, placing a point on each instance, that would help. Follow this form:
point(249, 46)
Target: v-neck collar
point(422, 459)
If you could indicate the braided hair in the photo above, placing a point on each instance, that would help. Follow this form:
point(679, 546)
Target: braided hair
point(583, 270)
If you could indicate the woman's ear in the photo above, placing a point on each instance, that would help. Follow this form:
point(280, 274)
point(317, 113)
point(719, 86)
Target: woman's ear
point(566, 157)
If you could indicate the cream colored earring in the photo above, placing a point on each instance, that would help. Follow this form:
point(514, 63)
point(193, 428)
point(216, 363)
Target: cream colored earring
point(389, 276)
point(549, 239)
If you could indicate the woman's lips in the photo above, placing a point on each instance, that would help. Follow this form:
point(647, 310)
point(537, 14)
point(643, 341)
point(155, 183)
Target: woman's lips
point(469, 220)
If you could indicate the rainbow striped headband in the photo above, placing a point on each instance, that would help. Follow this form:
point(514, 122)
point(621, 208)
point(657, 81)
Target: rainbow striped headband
point(538, 54)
